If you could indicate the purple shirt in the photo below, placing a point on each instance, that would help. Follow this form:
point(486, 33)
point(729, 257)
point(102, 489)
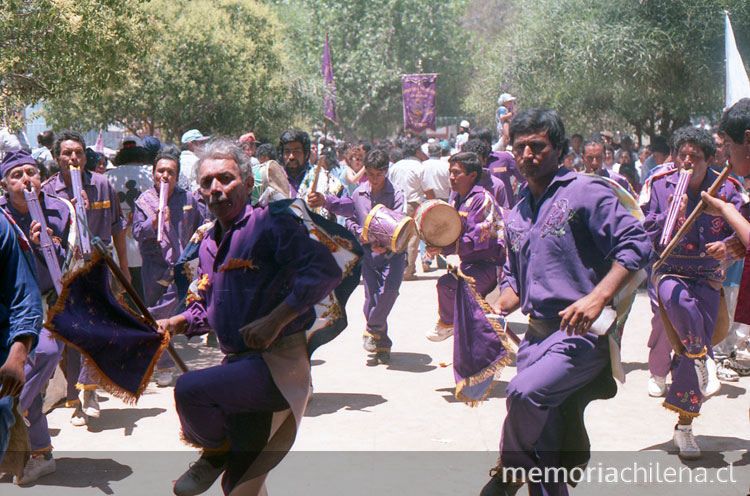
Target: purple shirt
point(185, 216)
point(481, 237)
point(689, 257)
point(57, 215)
point(263, 259)
point(503, 166)
point(619, 179)
point(561, 246)
point(356, 208)
point(496, 188)
point(103, 215)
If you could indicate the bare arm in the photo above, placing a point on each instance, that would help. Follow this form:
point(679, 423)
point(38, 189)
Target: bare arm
point(260, 333)
point(12, 377)
point(508, 302)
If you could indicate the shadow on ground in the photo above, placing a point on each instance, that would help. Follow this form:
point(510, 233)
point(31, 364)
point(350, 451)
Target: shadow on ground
point(86, 472)
point(123, 418)
point(712, 448)
point(498, 391)
point(407, 362)
point(327, 403)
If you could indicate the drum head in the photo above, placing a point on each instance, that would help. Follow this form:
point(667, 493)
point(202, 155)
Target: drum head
point(402, 235)
point(440, 225)
point(274, 177)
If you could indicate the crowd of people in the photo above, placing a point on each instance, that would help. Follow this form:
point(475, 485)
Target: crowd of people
point(558, 224)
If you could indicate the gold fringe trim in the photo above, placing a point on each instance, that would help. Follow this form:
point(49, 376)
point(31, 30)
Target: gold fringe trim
point(500, 364)
point(42, 451)
point(700, 354)
point(72, 403)
point(104, 382)
point(237, 263)
point(680, 410)
point(86, 387)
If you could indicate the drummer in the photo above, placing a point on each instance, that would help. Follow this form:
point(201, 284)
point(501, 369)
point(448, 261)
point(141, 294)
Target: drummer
point(382, 269)
point(480, 246)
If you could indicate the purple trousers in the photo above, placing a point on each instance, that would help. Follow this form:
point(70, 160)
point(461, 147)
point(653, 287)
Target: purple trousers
point(77, 375)
point(659, 355)
point(485, 275)
point(163, 309)
point(692, 307)
point(549, 371)
point(235, 401)
point(382, 280)
point(38, 370)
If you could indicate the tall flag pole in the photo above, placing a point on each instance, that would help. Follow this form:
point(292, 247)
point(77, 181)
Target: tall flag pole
point(329, 99)
point(737, 84)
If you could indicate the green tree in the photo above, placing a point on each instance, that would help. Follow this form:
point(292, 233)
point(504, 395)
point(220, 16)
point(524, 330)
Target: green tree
point(372, 44)
point(48, 47)
point(651, 65)
point(216, 65)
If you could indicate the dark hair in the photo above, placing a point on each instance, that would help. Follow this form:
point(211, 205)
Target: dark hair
point(469, 161)
point(67, 135)
point(295, 136)
point(167, 153)
point(92, 159)
point(330, 155)
point(411, 147)
point(736, 120)
point(266, 150)
point(659, 144)
point(594, 140)
point(46, 138)
point(695, 136)
point(132, 155)
point(477, 146)
point(534, 120)
point(480, 133)
point(395, 155)
point(577, 136)
point(377, 159)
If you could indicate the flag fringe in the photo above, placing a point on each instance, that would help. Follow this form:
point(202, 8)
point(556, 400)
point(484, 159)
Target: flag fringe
point(104, 381)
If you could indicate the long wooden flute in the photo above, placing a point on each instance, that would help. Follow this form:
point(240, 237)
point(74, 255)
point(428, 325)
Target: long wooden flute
point(693, 217)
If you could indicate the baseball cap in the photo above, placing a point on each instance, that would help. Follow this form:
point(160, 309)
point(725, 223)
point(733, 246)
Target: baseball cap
point(193, 135)
point(504, 98)
point(131, 141)
point(248, 138)
point(464, 123)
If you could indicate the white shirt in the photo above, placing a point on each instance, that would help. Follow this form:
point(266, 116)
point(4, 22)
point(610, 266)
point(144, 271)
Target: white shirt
point(188, 160)
point(140, 179)
point(406, 175)
point(435, 176)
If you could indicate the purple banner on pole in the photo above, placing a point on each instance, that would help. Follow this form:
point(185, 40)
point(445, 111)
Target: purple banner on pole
point(329, 99)
point(419, 92)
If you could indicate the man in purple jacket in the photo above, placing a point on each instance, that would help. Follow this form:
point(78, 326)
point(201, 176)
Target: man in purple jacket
point(259, 276)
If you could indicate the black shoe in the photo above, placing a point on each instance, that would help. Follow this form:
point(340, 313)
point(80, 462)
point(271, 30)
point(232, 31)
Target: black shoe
point(383, 356)
point(496, 487)
point(198, 479)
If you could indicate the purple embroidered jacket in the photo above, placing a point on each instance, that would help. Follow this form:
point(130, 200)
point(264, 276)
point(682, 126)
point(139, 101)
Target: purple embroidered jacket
point(263, 259)
point(561, 246)
point(481, 237)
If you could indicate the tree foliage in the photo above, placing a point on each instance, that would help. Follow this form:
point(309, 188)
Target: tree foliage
point(216, 65)
point(651, 64)
point(372, 44)
point(48, 47)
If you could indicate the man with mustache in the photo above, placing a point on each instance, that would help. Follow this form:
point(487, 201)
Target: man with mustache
point(571, 246)
point(259, 276)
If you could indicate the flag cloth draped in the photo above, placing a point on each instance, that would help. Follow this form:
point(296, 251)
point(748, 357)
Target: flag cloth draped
point(121, 347)
point(419, 92)
point(482, 346)
point(329, 100)
point(737, 83)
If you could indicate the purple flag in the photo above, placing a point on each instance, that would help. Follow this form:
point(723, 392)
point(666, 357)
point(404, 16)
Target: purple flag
point(121, 346)
point(419, 101)
point(482, 344)
point(329, 100)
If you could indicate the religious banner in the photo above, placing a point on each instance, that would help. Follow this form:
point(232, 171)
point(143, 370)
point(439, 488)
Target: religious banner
point(329, 100)
point(419, 92)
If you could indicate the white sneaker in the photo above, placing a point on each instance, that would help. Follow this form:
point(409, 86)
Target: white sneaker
point(708, 382)
point(90, 403)
point(685, 441)
point(164, 377)
point(726, 374)
point(439, 333)
point(657, 386)
point(37, 467)
point(78, 418)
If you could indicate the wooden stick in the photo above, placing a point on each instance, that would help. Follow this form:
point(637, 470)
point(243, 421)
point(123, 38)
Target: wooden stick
point(130, 290)
point(713, 190)
point(314, 187)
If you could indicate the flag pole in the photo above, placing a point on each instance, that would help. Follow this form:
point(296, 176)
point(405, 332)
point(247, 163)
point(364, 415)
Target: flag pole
point(133, 294)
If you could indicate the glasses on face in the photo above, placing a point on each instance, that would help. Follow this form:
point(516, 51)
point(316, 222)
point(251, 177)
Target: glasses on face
point(536, 147)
